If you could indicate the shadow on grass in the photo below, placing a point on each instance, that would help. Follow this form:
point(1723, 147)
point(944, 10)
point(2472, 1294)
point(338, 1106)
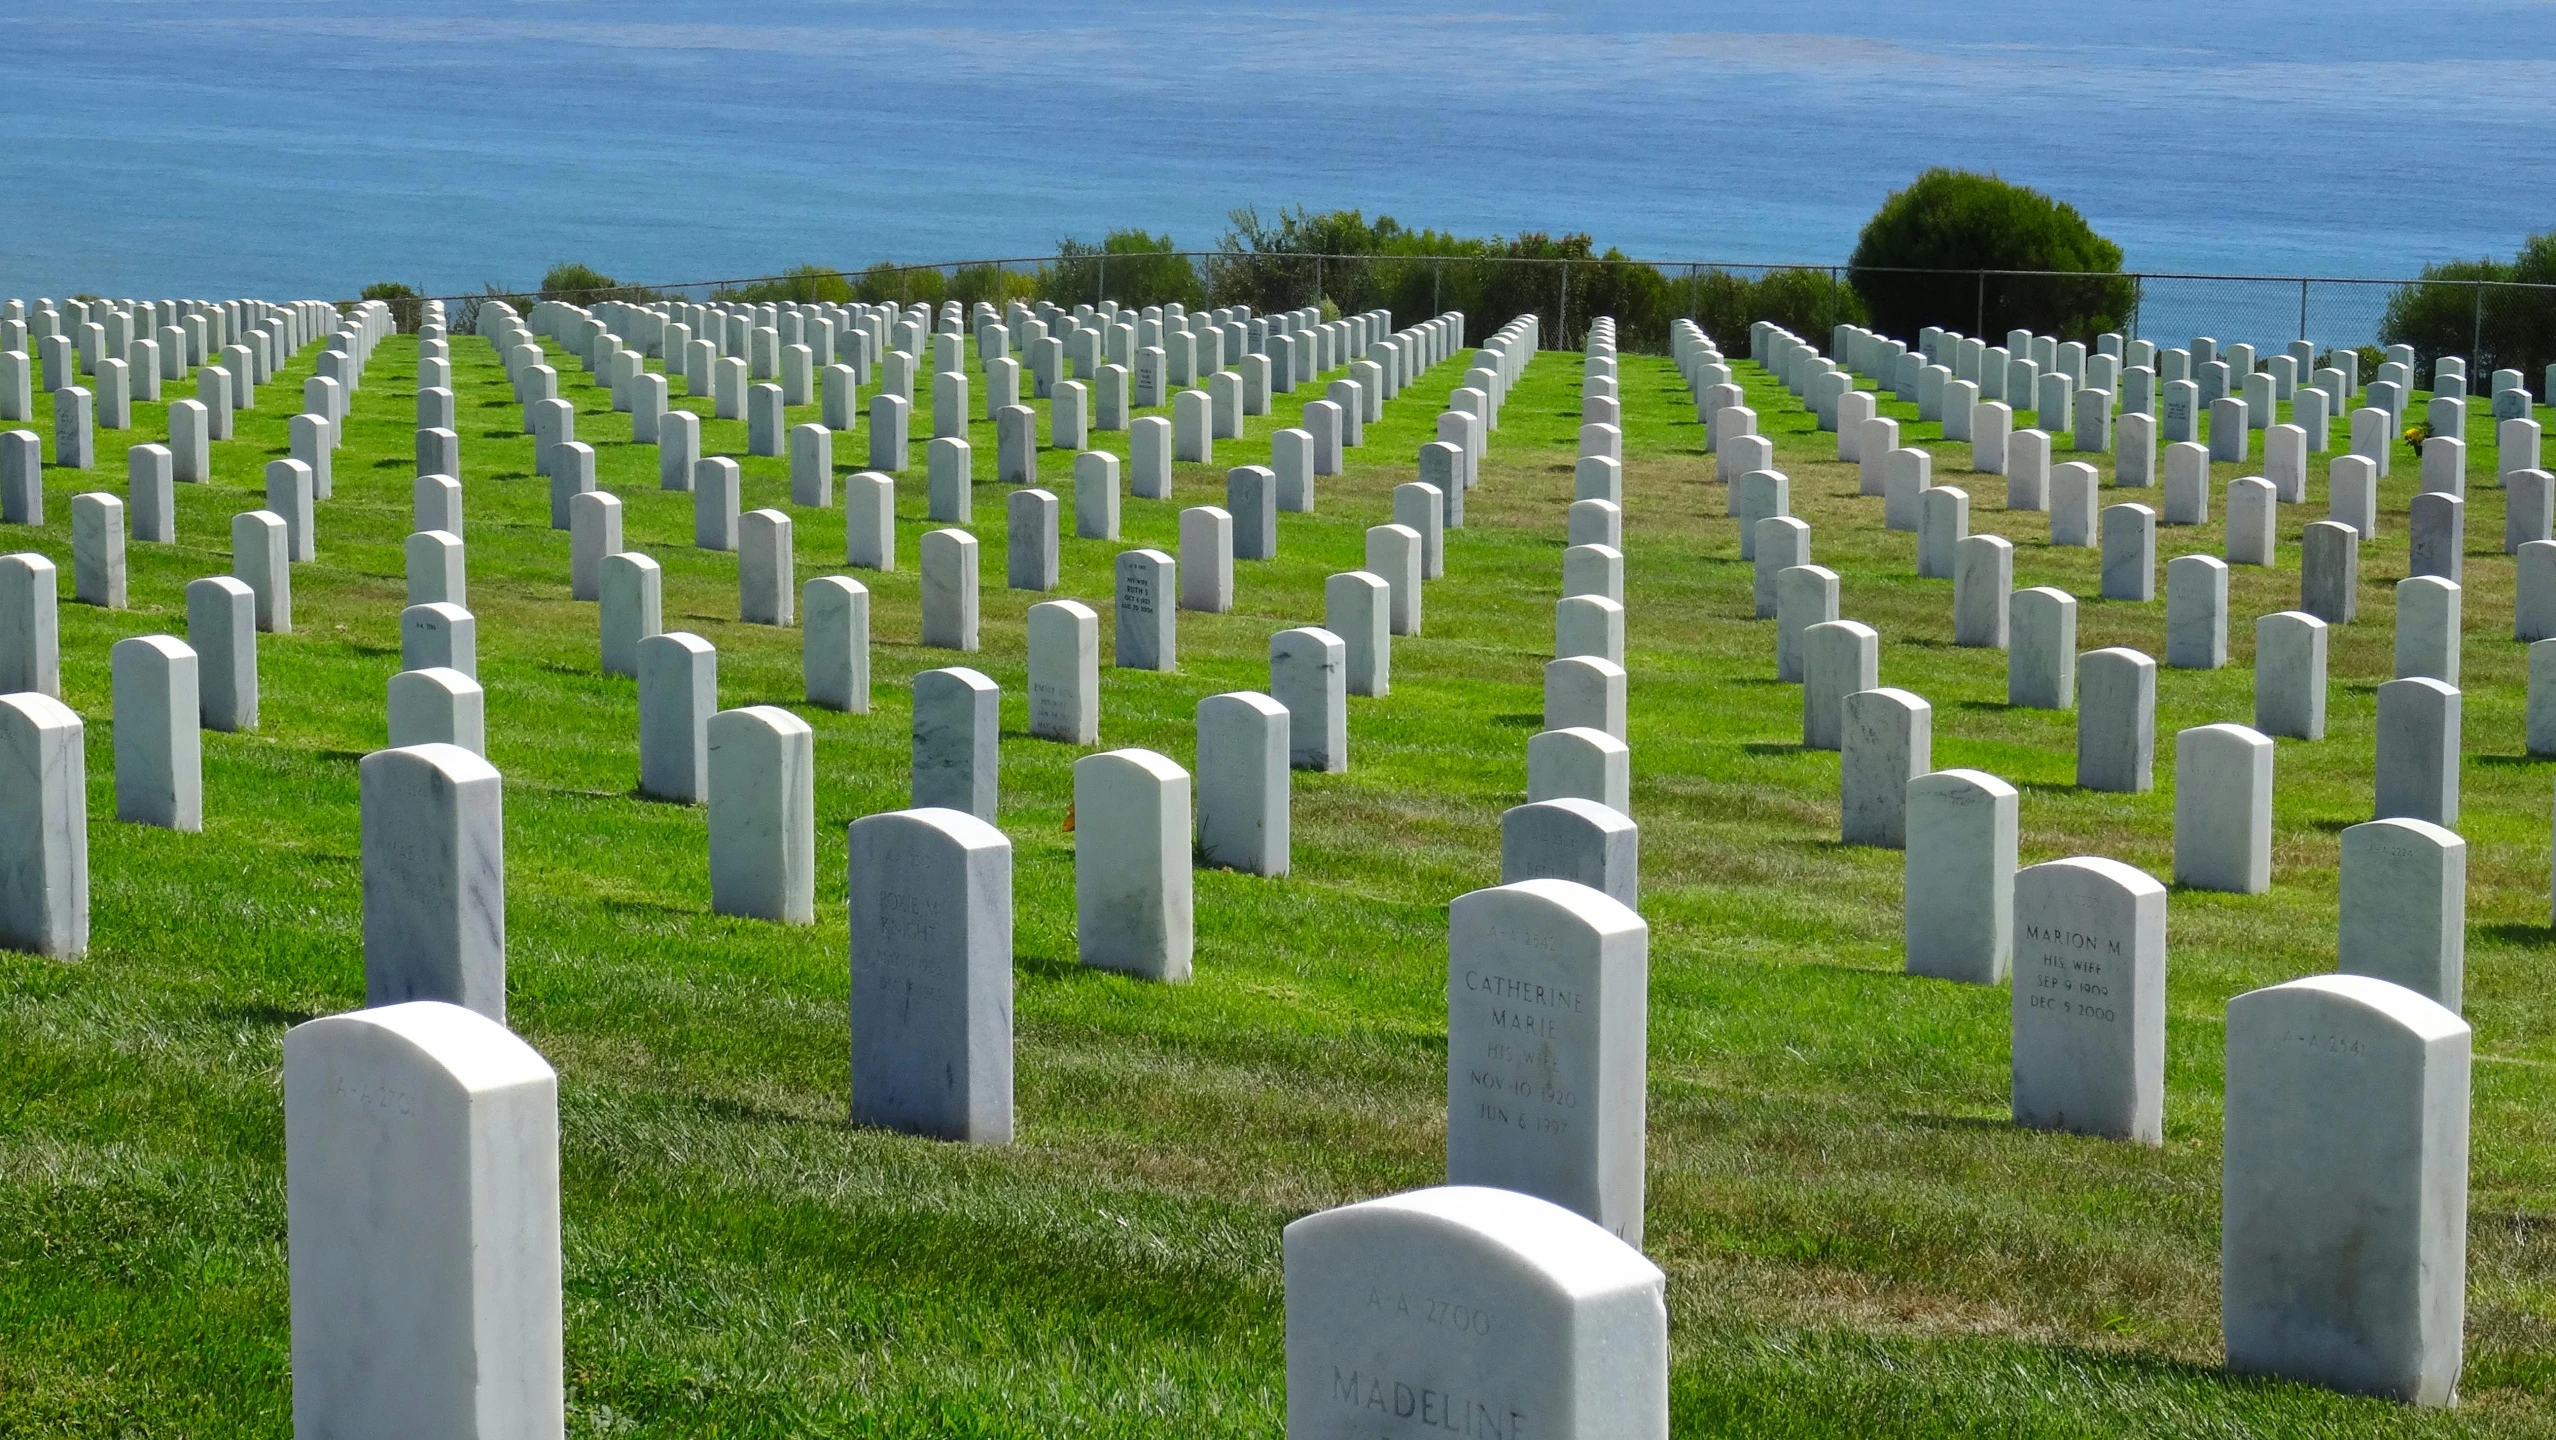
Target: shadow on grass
point(1972, 1124)
point(392, 463)
point(618, 906)
point(1049, 967)
point(1519, 720)
point(2525, 937)
point(2512, 759)
point(721, 1107)
point(278, 1016)
point(644, 798)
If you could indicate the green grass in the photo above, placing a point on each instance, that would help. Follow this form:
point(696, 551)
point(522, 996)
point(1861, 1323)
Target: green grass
point(1856, 1239)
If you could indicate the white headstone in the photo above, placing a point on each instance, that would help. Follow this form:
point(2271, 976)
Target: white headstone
point(2418, 750)
point(2343, 1202)
point(159, 773)
point(1839, 658)
point(1547, 1026)
point(1584, 691)
point(44, 826)
point(678, 692)
point(949, 560)
point(1132, 844)
point(439, 634)
point(2089, 999)
point(2223, 809)
point(421, 1186)
point(762, 800)
point(2403, 907)
point(2196, 612)
point(437, 706)
point(1572, 839)
point(1471, 1311)
point(1308, 674)
point(1244, 783)
point(1886, 739)
point(1960, 876)
point(221, 627)
point(434, 863)
point(1583, 762)
point(957, 754)
point(2116, 720)
point(2289, 675)
point(931, 956)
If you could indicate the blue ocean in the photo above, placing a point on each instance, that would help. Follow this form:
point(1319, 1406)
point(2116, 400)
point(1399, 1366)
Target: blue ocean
point(307, 147)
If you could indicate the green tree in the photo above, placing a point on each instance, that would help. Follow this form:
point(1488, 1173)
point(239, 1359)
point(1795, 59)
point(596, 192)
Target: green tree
point(2498, 314)
point(992, 284)
point(800, 284)
point(406, 305)
point(1128, 266)
point(582, 285)
point(1806, 302)
point(1960, 221)
point(888, 283)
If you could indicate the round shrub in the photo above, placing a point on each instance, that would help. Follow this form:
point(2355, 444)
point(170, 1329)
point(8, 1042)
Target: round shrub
point(1957, 221)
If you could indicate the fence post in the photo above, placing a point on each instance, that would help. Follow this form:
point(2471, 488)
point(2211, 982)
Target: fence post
point(1317, 300)
point(2138, 298)
point(2476, 335)
point(1832, 299)
point(1979, 326)
point(1100, 280)
point(2303, 299)
point(1562, 305)
point(1437, 273)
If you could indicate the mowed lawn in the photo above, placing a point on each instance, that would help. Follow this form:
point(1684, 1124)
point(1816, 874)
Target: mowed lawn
point(1857, 1241)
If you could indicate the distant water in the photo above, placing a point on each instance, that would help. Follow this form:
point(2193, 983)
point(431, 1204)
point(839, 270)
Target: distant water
point(267, 146)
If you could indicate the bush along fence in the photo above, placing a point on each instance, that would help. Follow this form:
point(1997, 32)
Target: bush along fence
point(2493, 324)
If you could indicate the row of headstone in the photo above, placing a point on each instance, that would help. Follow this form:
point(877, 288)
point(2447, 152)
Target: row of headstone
point(1547, 983)
point(1390, 1225)
point(2290, 696)
point(2115, 733)
point(194, 422)
point(904, 1037)
point(165, 691)
point(2381, 1311)
point(678, 685)
point(1488, 1239)
point(423, 1204)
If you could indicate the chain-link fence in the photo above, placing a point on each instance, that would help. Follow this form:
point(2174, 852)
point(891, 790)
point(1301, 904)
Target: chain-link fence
point(2492, 324)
